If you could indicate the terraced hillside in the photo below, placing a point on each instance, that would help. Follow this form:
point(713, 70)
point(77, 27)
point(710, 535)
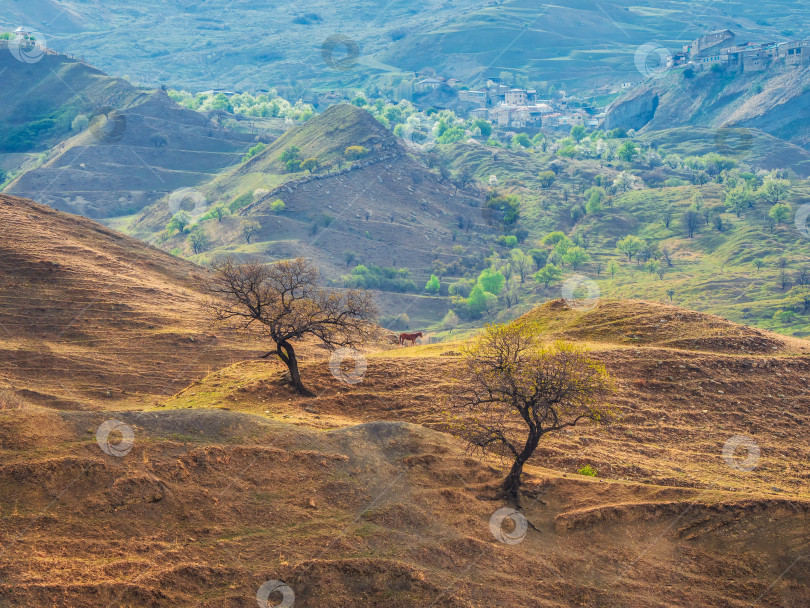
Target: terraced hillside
point(131, 158)
point(387, 207)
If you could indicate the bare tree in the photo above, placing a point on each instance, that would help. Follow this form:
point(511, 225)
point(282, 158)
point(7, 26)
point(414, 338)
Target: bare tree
point(666, 255)
point(286, 300)
point(523, 263)
point(518, 390)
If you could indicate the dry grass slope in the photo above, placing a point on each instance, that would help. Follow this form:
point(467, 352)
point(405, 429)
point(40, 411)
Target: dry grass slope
point(89, 317)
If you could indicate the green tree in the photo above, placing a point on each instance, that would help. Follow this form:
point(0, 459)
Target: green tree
point(250, 228)
point(612, 267)
point(277, 206)
point(218, 212)
point(198, 239)
point(254, 151)
point(540, 256)
point(784, 316)
point(578, 132)
point(627, 151)
point(779, 213)
point(509, 241)
point(80, 123)
point(773, 191)
point(290, 153)
point(576, 257)
point(738, 199)
point(484, 125)
point(758, 262)
point(477, 302)
point(179, 222)
point(491, 281)
point(594, 204)
point(630, 246)
point(433, 285)
point(652, 266)
point(522, 140)
point(310, 164)
point(557, 237)
point(546, 178)
point(548, 274)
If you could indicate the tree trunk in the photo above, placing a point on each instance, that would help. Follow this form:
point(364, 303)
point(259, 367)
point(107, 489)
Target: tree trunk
point(511, 485)
point(287, 354)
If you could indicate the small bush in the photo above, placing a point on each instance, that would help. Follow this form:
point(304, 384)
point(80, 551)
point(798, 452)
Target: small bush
point(587, 470)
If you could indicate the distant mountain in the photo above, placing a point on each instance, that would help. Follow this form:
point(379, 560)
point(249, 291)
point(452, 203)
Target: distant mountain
point(240, 45)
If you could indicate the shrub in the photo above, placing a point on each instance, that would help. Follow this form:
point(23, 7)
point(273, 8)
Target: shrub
point(378, 277)
point(355, 152)
point(254, 151)
point(587, 470)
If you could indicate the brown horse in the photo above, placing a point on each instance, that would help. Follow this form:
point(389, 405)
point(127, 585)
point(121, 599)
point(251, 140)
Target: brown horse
point(412, 337)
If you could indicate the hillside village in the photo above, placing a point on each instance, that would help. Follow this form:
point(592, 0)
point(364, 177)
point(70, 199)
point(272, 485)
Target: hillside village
point(520, 108)
point(721, 48)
